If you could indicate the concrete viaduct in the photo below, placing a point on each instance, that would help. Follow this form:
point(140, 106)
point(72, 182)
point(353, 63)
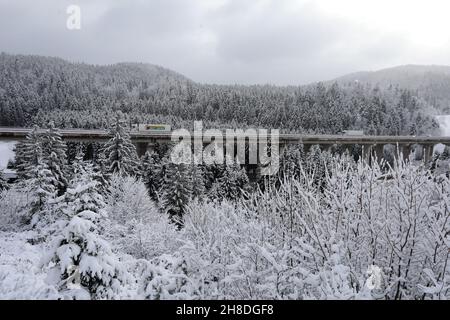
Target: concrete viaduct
point(372, 145)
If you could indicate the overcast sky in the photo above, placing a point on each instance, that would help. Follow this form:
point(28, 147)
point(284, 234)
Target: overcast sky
point(235, 41)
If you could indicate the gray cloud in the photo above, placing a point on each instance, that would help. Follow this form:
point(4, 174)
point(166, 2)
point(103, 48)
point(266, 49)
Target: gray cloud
point(274, 34)
point(236, 41)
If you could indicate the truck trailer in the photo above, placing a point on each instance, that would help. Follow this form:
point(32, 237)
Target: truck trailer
point(151, 127)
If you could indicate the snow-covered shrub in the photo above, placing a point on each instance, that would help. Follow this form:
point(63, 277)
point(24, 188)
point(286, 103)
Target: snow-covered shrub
point(20, 275)
point(135, 225)
point(128, 200)
point(14, 207)
point(297, 241)
point(236, 252)
point(168, 277)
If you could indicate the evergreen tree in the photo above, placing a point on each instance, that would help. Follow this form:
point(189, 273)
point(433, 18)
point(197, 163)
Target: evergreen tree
point(151, 173)
point(214, 166)
point(3, 182)
point(445, 155)
point(291, 161)
point(78, 165)
point(42, 189)
point(213, 172)
point(120, 153)
point(54, 152)
point(176, 191)
point(81, 255)
point(101, 174)
point(198, 181)
point(232, 184)
point(27, 153)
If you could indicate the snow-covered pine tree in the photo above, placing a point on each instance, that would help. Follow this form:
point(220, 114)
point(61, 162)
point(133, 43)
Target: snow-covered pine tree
point(54, 151)
point(42, 183)
point(214, 166)
point(101, 163)
point(445, 155)
point(77, 167)
point(86, 265)
point(120, 153)
point(151, 173)
point(198, 181)
point(135, 225)
point(232, 184)
point(176, 191)
point(101, 174)
point(291, 161)
point(212, 174)
point(98, 174)
point(26, 153)
point(3, 182)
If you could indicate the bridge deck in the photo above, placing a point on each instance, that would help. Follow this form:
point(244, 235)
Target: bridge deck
point(13, 134)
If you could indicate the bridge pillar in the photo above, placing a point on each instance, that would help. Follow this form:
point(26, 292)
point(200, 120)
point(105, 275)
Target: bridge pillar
point(356, 151)
point(347, 148)
point(390, 152)
point(378, 152)
point(418, 152)
point(90, 152)
point(141, 148)
point(405, 151)
point(428, 153)
point(366, 153)
point(307, 148)
point(372, 153)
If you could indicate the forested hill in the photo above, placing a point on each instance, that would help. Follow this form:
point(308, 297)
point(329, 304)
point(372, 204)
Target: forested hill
point(29, 84)
point(37, 90)
point(431, 83)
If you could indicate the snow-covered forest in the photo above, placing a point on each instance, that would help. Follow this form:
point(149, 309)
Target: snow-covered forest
point(38, 90)
point(116, 226)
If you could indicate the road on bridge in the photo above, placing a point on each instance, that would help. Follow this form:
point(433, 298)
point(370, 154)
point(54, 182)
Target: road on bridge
point(13, 134)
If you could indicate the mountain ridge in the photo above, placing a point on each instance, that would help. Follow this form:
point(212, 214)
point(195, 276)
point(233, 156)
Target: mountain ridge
point(39, 90)
point(430, 82)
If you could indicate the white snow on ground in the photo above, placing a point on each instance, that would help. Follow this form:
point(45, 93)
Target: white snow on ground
point(6, 153)
point(20, 274)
